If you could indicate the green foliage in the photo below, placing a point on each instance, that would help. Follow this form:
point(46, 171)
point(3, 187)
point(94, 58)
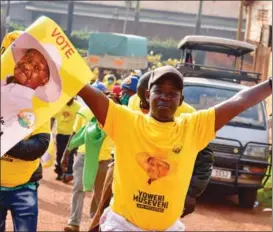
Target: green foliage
point(167, 48)
point(79, 39)
point(169, 43)
point(82, 52)
point(265, 194)
point(16, 27)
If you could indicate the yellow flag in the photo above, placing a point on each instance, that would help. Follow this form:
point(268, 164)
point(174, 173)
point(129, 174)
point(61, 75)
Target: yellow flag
point(40, 72)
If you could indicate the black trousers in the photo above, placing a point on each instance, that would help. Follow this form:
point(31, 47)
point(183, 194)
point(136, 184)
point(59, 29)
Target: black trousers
point(62, 141)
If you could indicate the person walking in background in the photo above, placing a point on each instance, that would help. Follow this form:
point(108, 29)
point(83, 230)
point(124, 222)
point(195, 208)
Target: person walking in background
point(19, 180)
point(128, 89)
point(110, 81)
point(83, 117)
point(65, 119)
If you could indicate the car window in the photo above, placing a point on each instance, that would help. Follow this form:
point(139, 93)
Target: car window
point(213, 59)
point(202, 97)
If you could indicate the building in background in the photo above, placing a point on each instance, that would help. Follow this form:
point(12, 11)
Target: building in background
point(158, 19)
point(259, 33)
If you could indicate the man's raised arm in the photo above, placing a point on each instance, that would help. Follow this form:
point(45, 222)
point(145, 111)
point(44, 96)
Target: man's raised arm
point(96, 101)
point(243, 100)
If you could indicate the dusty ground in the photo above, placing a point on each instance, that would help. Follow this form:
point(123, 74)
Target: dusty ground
point(212, 213)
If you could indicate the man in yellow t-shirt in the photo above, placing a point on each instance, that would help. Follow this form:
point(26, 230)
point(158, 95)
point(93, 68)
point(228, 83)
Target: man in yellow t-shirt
point(20, 172)
point(83, 116)
point(65, 119)
point(155, 153)
point(202, 168)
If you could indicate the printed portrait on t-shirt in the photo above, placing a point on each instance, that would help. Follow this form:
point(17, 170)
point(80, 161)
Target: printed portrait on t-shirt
point(155, 166)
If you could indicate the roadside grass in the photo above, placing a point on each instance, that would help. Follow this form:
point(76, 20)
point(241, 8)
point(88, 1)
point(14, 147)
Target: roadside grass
point(265, 194)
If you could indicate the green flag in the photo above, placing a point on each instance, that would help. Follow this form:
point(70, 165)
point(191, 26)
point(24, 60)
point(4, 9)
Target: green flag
point(92, 136)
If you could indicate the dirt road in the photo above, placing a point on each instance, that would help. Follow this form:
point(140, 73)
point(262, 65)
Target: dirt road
point(212, 213)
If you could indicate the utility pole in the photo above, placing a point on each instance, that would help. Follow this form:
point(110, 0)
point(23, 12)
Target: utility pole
point(70, 12)
point(240, 19)
point(128, 5)
point(199, 55)
point(198, 19)
point(137, 12)
point(239, 30)
point(7, 17)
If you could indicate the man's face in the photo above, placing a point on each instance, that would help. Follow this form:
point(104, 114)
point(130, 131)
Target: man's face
point(164, 98)
point(157, 168)
point(32, 70)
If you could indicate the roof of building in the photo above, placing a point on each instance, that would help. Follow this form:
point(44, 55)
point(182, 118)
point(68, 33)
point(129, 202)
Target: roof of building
point(228, 9)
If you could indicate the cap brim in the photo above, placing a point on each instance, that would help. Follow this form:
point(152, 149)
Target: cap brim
point(168, 75)
point(166, 72)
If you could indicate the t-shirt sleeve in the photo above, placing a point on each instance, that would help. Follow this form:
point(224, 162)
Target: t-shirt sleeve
point(202, 125)
point(119, 119)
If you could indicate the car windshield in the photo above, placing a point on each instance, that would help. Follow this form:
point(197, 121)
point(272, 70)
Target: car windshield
point(201, 97)
point(213, 59)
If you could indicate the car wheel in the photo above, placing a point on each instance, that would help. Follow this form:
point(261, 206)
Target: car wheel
point(247, 197)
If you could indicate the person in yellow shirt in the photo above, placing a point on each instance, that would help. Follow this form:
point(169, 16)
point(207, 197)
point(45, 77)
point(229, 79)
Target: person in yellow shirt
point(202, 168)
point(20, 173)
point(83, 116)
point(110, 81)
point(140, 204)
point(65, 119)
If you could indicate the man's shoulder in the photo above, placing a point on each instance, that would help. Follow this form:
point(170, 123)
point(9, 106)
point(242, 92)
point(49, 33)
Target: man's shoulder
point(190, 118)
point(187, 108)
point(122, 112)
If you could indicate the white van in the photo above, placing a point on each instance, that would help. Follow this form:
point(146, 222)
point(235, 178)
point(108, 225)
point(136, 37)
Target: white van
point(241, 148)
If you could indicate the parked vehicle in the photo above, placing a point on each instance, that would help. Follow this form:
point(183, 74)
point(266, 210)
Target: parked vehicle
point(242, 151)
point(117, 51)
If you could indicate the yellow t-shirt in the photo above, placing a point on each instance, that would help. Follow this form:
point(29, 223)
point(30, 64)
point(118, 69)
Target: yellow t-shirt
point(183, 109)
point(82, 118)
point(154, 163)
point(65, 118)
point(134, 104)
point(15, 172)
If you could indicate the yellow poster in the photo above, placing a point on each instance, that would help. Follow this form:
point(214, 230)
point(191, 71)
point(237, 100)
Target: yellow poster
point(40, 72)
